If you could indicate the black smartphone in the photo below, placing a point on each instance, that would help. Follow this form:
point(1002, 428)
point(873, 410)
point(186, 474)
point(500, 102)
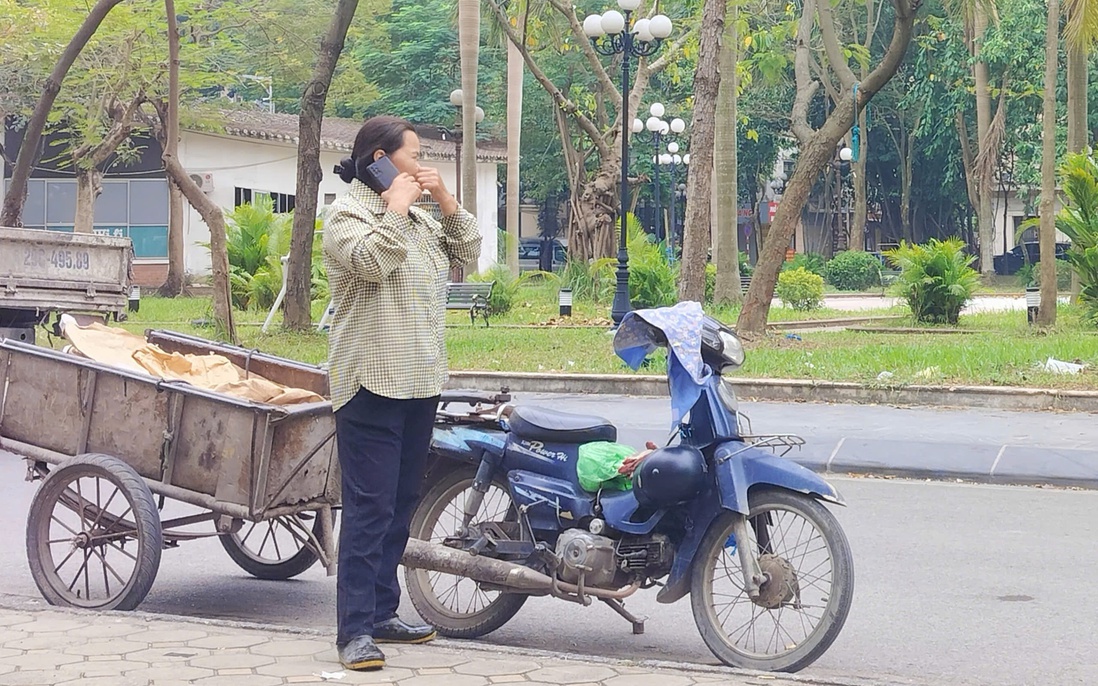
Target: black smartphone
point(381, 174)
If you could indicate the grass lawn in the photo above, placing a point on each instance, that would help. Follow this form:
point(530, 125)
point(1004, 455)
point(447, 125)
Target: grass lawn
point(1001, 350)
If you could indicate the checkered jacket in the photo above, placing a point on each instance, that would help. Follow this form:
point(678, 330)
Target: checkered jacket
point(387, 274)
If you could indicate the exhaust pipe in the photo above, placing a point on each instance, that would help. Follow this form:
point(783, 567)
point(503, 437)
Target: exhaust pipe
point(433, 557)
point(438, 558)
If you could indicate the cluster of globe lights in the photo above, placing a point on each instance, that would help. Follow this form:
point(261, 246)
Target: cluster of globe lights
point(612, 23)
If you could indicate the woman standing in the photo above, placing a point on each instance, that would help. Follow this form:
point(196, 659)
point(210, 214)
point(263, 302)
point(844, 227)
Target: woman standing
point(387, 264)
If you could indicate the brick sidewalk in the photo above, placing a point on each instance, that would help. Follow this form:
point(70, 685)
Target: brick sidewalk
point(52, 646)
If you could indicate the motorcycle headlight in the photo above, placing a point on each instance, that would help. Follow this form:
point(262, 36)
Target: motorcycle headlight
point(731, 348)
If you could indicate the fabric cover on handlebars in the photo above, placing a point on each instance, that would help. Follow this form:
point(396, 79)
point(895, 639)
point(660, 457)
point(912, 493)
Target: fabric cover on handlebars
point(680, 328)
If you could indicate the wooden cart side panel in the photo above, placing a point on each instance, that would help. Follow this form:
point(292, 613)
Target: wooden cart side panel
point(214, 455)
point(300, 439)
point(129, 420)
point(42, 403)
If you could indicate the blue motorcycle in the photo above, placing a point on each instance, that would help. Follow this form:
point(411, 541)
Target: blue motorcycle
point(717, 515)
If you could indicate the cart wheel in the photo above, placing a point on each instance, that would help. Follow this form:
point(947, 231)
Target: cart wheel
point(274, 549)
point(93, 535)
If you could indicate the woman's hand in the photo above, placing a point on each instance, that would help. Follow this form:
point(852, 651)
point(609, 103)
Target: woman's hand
point(431, 182)
point(402, 194)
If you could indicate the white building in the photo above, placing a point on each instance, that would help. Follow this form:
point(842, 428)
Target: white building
point(249, 152)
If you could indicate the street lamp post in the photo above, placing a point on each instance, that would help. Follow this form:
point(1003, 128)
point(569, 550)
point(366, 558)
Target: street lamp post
point(673, 159)
point(456, 133)
point(611, 34)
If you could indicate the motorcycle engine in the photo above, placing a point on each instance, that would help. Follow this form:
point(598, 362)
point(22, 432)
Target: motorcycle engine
point(585, 554)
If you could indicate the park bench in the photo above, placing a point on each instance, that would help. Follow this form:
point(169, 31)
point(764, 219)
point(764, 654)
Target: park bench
point(745, 283)
point(470, 296)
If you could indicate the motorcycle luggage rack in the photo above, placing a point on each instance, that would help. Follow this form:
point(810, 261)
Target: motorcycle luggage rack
point(781, 444)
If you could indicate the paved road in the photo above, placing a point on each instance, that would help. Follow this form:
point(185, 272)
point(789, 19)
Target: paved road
point(956, 583)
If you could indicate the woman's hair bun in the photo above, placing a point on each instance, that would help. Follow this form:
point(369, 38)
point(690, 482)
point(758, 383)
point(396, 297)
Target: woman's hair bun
point(346, 169)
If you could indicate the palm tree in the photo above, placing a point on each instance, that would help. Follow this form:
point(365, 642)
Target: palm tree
point(1046, 315)
point(1081, 33)
point(469, 49)
point(514, 133)
point(727, 254)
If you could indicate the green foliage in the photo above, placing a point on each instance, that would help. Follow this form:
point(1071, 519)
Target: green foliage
point(745, 264)
point(800, 289)
point(853, 270)
point(810, 261)
point(1078, 220)
point(506, 290)
point(935, 279)
point(257, 238)
point(652, 279)
point(1030, 275)
point(591, 281)
point(710, 281)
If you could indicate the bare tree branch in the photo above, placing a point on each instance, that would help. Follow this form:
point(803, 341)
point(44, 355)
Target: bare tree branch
point(806, 86)
point(563, 102)
point(834, 51)
point(566, 8)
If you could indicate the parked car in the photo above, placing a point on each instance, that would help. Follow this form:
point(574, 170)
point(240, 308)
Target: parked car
point(530, 255)
point(1010, 262)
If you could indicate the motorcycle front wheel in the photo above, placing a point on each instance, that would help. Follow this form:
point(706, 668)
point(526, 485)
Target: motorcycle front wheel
point(457, 606)
point(800, 611)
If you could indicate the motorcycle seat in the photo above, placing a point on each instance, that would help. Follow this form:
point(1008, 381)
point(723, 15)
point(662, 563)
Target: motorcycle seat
point(541, 424)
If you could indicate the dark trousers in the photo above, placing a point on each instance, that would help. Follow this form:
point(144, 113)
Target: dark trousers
point(383, 447)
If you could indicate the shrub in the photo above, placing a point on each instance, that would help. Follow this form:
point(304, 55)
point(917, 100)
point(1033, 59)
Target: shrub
point(811, 261)
point(745, 264)
point(653, 281)
point(256, 240)
point(507, 285)
point(591, 281)
point(1079, 221)
point(710, 281)
point(800, 289)
point(1030, 275)
point(854, 270)
point(935, 279)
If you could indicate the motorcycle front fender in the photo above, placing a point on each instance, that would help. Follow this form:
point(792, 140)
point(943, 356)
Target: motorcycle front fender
point(740, 467)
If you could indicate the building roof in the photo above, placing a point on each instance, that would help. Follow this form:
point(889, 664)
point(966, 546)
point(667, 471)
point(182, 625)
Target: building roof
point(338, 134)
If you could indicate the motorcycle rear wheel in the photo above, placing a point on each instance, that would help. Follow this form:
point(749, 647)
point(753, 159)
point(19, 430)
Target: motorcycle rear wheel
point(803, 543)
point(457, 606)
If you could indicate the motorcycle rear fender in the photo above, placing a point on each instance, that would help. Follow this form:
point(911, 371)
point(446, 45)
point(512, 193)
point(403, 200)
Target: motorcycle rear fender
point(738, 468)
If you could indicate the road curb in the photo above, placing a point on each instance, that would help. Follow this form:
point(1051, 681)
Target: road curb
point(790, 390)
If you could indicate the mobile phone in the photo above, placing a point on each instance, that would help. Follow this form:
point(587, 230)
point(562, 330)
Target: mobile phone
point(381, 174)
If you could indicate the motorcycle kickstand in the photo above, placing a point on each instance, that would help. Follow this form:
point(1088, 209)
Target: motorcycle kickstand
point(619, 607)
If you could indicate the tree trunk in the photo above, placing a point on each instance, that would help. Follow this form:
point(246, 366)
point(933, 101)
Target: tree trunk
point(594, 232)
point(727, 256)
point(514, 135)
point(16, 195)
point(699, 178)
point(905, 192)
point(469, 47)
point(861, 188)
point(1046, 314)
point(173, 285)
point(88, 187)
point(1078, 113)
point(208, 209)
point(298, 314)
point(984, 209)
point(817, 148)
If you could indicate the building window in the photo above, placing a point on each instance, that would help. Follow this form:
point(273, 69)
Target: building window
point(127, 208)
point(282, 202)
